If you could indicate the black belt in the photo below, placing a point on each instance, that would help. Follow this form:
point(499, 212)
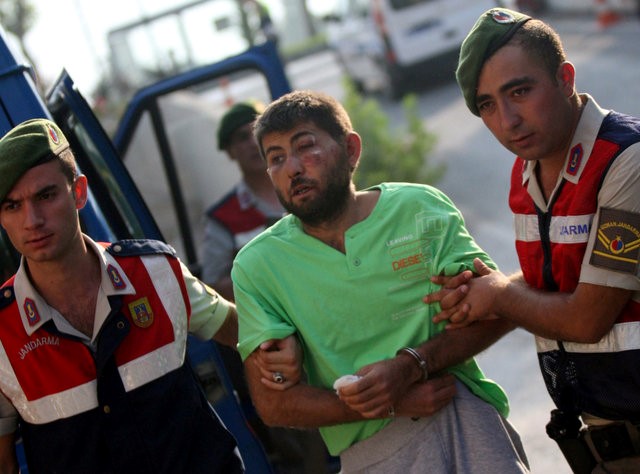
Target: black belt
point(613, 441)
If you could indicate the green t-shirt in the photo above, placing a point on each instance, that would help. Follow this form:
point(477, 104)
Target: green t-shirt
point(353, 309)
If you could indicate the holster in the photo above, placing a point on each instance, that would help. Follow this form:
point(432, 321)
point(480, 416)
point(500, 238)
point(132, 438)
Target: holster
point(565, 430)
point(613, 441)
point(584, 448)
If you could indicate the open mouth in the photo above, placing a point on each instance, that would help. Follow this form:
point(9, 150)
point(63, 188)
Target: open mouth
point(300, 187)
point(300, 190)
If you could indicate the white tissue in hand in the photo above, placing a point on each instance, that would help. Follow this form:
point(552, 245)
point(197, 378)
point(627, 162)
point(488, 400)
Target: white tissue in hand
point(344, 381)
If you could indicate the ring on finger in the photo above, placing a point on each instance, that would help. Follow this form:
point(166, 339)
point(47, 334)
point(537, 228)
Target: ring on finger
point(278, 377)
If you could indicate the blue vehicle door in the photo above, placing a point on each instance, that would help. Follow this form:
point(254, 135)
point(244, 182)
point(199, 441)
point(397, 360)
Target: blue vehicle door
point(121, 206)
point(116, 210)
point(167, 139)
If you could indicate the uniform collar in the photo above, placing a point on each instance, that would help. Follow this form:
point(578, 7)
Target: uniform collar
point(582, 143)
point(34, 310)
point(246, 198)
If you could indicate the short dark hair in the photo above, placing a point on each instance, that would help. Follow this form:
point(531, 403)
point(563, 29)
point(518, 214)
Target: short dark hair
point(542, 42)
point(68, 164)
point(304, 106)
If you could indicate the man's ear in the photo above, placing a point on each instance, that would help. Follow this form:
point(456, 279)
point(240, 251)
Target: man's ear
point(566, 77)
point(354, 149)
point(80, 191)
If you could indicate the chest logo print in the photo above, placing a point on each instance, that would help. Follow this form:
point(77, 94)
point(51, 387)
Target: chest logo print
point(141, 313)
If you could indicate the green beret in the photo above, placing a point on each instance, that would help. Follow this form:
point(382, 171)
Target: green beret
point(26, 145)
point(240, 114)
point(493, 30)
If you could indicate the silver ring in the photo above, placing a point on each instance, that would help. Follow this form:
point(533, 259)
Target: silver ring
point(391, 412)
point(278, 377)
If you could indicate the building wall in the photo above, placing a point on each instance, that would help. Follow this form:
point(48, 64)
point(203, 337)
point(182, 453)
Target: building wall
point(590, 6)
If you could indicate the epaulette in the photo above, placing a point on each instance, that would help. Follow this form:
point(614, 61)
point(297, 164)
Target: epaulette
point(7, 296)
point(138, 247)
point(621, 129)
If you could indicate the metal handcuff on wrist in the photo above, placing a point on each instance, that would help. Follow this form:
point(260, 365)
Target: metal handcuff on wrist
point(421, 363)
point(418, 358)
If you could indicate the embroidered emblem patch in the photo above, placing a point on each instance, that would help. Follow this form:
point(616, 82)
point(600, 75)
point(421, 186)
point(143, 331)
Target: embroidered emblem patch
point(141, 313)
point(116, 280)
point(618, 244)
point(502, 17)
point(53, 135)
point(31, 310)
point(575, 159)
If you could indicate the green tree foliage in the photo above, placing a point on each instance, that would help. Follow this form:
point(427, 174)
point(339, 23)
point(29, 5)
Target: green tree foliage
point(391, 154)
point(18, 17)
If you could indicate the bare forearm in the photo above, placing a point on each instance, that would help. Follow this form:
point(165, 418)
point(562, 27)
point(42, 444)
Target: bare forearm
point(224, 287)
point(454, 346)
point(585, 315)
point(300, 406)
point(533, 310)
point(228, 332)
point(304, 406)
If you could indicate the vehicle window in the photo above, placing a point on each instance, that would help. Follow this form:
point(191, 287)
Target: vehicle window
point(400, 4)
point(146, 51)
point(115, 209)
point(116, 197)
point(184, 178)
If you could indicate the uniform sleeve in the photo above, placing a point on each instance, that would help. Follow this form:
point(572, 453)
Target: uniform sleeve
point(619, 192)
point(8, 416)
point(208, 309)
point(217, 252)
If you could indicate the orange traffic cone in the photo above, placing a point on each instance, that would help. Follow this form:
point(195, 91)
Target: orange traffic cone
point(605, 14)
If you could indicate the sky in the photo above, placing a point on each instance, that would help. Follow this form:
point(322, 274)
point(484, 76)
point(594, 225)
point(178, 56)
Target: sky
point(72, 34)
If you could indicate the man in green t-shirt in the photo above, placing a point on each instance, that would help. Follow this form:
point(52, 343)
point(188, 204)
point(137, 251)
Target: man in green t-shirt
point(345, 271)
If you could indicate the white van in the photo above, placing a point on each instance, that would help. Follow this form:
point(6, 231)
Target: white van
point(383, 43)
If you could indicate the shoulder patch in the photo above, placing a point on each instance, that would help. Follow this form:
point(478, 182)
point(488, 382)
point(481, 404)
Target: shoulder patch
point(138, 247)
point(617, 246)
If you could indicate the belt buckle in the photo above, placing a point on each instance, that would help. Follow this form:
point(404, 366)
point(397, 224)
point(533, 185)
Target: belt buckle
point(614, 441)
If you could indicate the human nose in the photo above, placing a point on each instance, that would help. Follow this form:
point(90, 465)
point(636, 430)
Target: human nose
point(294, 165)
point(509, 115)
point(32, 216)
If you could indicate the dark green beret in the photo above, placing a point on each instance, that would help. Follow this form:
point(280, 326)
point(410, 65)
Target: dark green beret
point(240, 114)
point(26, 145)
point(493, 30)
